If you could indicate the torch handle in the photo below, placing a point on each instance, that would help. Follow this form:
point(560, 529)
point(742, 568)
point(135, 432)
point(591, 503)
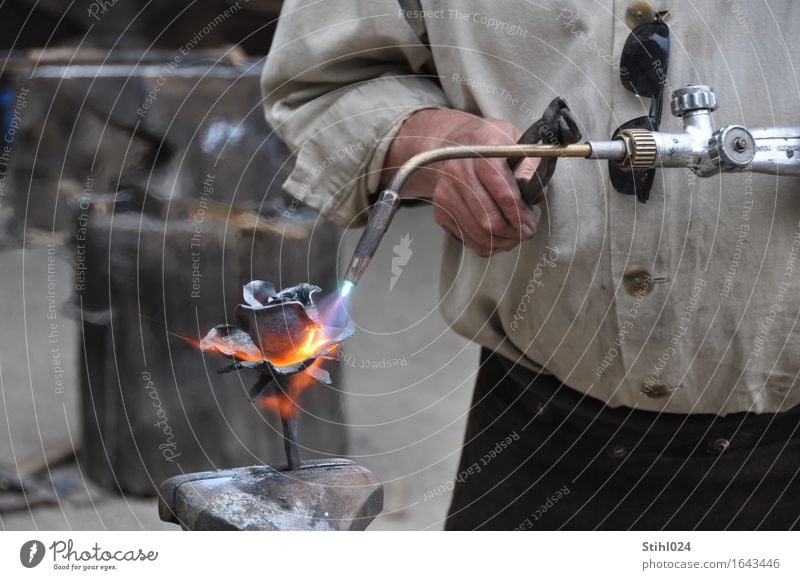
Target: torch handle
point(383, 211)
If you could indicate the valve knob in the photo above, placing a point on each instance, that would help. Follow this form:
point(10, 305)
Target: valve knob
point(693, 98)
point(731, 148)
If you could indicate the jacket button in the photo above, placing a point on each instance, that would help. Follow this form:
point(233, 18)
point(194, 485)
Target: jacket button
point(618, 451)
point(656, 391)
point(638, 13)
point(720, 445)
point(637, 281)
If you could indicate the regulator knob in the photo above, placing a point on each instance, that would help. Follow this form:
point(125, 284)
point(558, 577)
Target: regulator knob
point(693, 98)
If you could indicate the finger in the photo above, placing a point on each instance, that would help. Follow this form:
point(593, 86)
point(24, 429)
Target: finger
point(488, 216)
point(497, 179)
point(481, 247)
point(448, 223)
point(473, 216)
point(495, 246)
point(526, 168)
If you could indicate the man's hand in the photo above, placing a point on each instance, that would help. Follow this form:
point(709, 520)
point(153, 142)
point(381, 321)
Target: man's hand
point(477, 200)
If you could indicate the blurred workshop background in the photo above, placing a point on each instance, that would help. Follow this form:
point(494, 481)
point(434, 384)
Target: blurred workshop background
point(140, 187)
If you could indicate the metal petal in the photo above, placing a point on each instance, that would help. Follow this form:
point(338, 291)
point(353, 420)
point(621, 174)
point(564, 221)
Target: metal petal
point(320, 374)
point(276, 329)
point(231, 341)
point(259, 293)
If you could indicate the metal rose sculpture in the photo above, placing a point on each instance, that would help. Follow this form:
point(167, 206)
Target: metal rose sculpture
point(279, 334)
point(283, 336)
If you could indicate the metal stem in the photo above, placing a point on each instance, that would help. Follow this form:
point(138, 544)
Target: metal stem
point(290, 442)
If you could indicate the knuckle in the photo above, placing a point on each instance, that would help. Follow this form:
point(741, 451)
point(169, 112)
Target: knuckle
point(484, 239)
point(498, 225)
point(509, 206)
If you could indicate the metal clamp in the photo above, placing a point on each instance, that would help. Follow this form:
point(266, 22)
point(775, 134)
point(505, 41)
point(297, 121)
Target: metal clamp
point(557, 126)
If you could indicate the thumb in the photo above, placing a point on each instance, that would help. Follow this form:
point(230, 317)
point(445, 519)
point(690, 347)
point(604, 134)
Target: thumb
point(523, 175)
point(526, 168)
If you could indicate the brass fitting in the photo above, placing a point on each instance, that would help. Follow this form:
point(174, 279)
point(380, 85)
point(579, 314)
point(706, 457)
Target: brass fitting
point(641, 147)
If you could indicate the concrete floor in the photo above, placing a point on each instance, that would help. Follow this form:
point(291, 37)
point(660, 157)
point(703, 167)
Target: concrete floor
point(407, 383)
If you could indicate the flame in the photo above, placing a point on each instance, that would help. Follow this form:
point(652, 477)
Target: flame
point(314, 342)
point(285, 403)
point(220, 346)
point(333, 310)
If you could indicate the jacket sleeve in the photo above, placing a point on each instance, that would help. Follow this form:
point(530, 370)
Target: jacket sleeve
point(340, 79)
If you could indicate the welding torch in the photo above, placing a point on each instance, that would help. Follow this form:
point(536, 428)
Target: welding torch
point(698, 148)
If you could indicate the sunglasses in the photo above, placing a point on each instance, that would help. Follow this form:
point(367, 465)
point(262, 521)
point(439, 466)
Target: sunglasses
point(643, 71)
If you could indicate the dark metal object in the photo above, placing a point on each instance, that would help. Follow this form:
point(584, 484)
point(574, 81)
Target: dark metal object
point(290, 442)
point(275, 327)
point(557, 126)
point(272, 324)
point(331, 494)
point(123, 124)
point(277, 321)
point(18, 493)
